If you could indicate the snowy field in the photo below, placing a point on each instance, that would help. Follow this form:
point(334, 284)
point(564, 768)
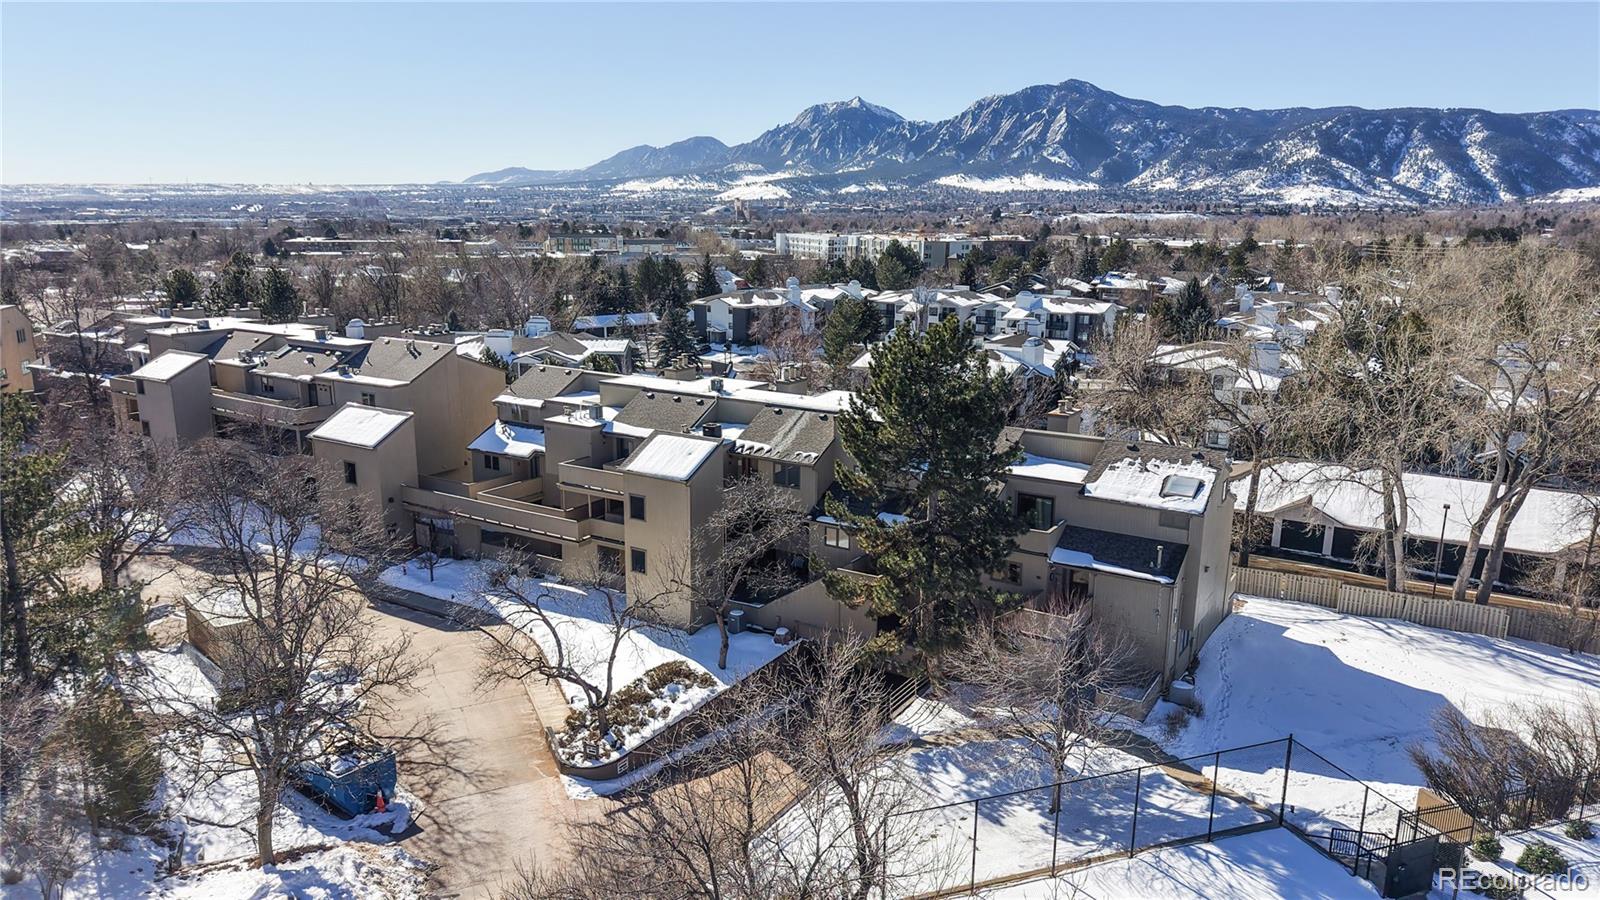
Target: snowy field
point(1356, 690)
point(1267, 865)
point(578, 616)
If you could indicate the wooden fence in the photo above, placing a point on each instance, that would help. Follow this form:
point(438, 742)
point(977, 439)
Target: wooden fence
point(1555, 627)
point(1449, 614)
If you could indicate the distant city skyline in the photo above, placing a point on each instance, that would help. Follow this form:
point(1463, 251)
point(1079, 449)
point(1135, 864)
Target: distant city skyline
point(385, 93)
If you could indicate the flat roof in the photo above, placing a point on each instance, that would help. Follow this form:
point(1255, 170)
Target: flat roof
point(360, 426)
point(168, 365)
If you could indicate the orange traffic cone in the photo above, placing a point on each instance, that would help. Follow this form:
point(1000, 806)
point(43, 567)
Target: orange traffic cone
point(380, 805)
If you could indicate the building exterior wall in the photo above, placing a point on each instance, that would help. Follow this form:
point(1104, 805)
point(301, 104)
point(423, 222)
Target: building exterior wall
point(380, 470)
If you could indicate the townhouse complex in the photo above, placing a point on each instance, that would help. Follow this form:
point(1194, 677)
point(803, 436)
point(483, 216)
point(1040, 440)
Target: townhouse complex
point(614, 475)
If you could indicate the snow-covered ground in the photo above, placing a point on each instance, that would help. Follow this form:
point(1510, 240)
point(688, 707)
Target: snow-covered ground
point(1266, 865)
point(332, 857)
point(1356, 690)
point(1583, 855)
point(580, 625)
point(1016, 833)
point(1030, 181)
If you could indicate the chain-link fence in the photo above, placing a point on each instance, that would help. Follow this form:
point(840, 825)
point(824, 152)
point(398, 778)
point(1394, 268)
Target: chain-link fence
point(1038, 831)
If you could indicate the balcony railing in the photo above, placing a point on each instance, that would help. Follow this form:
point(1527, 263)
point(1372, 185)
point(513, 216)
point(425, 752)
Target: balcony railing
point(276, 412)
point(576, 475)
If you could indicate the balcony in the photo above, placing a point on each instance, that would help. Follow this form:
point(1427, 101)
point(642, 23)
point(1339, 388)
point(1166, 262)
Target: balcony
point(273, 412)
point(574, 475)
point(122, 384)
point(509, 504)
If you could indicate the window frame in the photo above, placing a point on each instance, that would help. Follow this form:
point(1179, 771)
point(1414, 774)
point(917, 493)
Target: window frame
point(781, 477)
point(638, 561)
point(350, 474)
point(1043, 501)
point(637, 507)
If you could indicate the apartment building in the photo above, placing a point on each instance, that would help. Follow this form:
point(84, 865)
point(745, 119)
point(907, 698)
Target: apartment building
point(17, 349)
point(290, 378)
point(737, 317)
point(934, 250)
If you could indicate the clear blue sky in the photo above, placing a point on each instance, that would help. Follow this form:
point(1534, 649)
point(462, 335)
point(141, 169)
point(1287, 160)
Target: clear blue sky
point(423, 92)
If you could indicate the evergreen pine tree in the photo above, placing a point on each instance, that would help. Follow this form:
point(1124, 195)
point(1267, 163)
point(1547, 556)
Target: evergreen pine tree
point(182, 288)
point(708, 278)
point(1118, 255)
point(674, 284)
point(925, 432)
point(758, 276)
point(969, 272)
point(1185, 318)
point(650, 282)
point(487, 356)
point(864, 272)
point(279, 300)
point(898, 267)
point(845, 331)
point(677, 337)
point(1089, 266)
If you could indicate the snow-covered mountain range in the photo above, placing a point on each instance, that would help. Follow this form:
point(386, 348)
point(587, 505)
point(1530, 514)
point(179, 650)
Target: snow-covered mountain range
point(1075, 137)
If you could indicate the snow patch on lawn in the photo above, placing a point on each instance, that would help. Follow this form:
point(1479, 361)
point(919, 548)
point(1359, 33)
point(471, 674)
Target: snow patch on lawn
point(1358, 691)
point(1267, 865)
point(579, 620)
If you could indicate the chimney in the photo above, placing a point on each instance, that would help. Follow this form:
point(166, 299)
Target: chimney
point(716, 385)
point(1267, 314)
point(536, 326)
point(1266, 356)
point(1247, 301)
point(355, 328)
point(793, 284)
point(1032, 352)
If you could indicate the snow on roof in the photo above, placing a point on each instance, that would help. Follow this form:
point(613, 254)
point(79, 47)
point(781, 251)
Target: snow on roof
point(510, 439)
point(1156, 483)
point(1048, 468)
point(1549, 521)
point(675, 457)
point(168, 365)
point(707, 385)
point(360, 426)
point(829, 401)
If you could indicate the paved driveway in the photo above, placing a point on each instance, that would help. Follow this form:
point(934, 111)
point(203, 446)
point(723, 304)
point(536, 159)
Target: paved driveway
point(505, 802)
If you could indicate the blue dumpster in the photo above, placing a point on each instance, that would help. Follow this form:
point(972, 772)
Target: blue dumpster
point(349, 776)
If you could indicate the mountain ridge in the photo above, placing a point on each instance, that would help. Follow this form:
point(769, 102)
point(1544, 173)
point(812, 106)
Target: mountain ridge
point(1075, 136)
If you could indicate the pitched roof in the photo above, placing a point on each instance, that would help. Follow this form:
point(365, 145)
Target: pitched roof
point(396, 360)
point(787, 435)
point(655, 411)
point(1152, 475)
point(1114, 553)
point(539, 384)
point(295, 362)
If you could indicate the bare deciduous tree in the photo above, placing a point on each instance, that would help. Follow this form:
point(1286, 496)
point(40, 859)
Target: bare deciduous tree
point(301, 673)
point(744, 549)
point(1043, 677)
point(1133, 392)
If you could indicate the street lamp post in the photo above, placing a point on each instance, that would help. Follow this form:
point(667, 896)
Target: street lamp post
point(1438, 554)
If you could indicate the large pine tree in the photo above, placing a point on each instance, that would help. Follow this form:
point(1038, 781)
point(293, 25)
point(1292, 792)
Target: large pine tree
point(677, 337)
point(708, 278)
point(280, 301)
point(925, 433)
point(848, 327)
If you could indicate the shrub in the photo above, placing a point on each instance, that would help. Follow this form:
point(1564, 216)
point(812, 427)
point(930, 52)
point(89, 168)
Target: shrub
point(1539, 858)
point(1175, 722)
point(1487, 847)
point(1578, 830)
point(1499, 887)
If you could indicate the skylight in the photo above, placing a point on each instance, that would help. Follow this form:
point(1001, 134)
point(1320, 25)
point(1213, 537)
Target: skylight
point(1181, 486)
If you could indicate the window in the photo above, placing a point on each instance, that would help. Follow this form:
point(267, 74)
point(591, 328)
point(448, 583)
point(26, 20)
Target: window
point(624, 448)
point(636, 507)
point(490, 461)
point(785, 475)
point(140, 385)
point(22, 336)
point(636, 560)
point(533, 467)
point(747, 467)
point(1013, 573)
point(349, 473)
point(268, 386)
point(834, 536)
point(144, 428)
point(1038, 512)
point(368, 399)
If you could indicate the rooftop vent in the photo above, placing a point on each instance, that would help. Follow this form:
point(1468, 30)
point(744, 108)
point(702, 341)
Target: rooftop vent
point(712, 430)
